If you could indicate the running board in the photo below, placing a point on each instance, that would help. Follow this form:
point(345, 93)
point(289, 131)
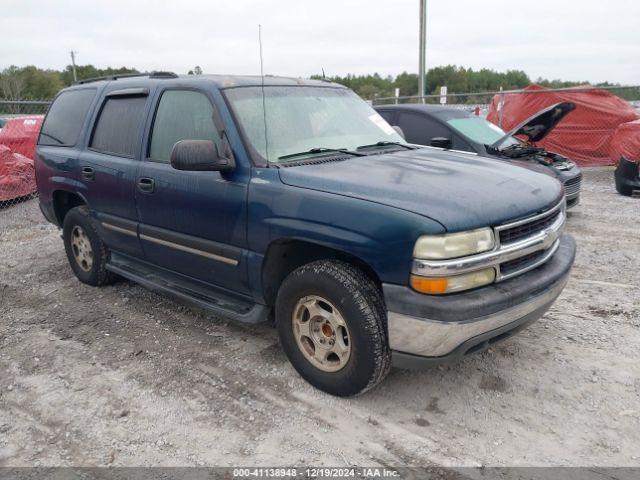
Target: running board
point(190, 292)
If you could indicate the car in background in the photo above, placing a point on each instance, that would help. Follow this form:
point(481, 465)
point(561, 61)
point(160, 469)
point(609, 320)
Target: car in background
point(453, 128)
point(625, 148)
point(627, 177)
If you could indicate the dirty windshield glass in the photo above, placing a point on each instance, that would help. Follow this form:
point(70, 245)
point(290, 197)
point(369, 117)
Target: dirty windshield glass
point(481, 131)
point(301, 118)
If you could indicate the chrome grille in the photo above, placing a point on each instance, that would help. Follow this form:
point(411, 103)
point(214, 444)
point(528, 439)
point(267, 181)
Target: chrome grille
point(523, 230)
point(572, 186)
point(518, 232)
point(518, 264)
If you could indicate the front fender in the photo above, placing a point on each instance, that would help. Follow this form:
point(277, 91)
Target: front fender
point(381, 236)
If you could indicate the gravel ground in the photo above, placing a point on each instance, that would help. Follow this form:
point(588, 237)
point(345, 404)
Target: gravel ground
point(122, 376)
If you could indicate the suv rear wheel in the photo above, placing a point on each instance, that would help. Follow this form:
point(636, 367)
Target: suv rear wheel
point(86, 252)
point(331, 321)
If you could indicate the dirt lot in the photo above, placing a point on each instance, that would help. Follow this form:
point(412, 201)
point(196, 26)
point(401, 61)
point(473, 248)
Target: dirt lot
point(122, 376)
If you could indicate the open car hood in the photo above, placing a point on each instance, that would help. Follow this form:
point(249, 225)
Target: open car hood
point(536, 127)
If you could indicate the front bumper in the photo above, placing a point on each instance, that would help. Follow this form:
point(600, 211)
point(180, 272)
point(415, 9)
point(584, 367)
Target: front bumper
point(572, 200)
point(425, 329)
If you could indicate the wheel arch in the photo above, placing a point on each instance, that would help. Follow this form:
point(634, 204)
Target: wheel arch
point(65, 200)
point(284, 255)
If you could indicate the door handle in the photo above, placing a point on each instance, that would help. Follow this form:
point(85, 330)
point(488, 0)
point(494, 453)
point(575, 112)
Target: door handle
point(145, 184)
point(88, 174)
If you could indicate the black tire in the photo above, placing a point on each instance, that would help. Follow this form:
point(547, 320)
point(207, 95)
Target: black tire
point(361, 305)
point(97, 275)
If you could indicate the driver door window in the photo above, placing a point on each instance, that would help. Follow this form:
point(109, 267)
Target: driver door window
point(191, 222)
point(181, 115)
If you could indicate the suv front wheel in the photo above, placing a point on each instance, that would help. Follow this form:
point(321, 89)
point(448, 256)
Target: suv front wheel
point(331, 321)
point(86, 252)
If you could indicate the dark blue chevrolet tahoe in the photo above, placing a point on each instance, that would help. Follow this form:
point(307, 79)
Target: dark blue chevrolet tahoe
point(293, 201)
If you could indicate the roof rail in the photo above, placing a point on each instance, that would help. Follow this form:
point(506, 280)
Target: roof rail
point(161, 74)
point(153, 74)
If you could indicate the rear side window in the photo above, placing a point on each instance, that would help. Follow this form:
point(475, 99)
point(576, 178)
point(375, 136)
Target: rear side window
point(117, 127)
point(181, 115)
point(65, 118)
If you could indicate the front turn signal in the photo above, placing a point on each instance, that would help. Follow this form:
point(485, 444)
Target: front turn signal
point(452, 284)
point(432, 286)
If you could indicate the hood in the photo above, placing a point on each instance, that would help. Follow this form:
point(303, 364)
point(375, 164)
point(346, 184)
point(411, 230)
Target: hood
point(459, 191)
point(536, 127)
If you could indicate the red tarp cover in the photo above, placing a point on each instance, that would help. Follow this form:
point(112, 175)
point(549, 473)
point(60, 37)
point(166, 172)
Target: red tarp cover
point(17, 175)
point(18, 140)
point(584, 135)
point(626, 141)
point(21, 135)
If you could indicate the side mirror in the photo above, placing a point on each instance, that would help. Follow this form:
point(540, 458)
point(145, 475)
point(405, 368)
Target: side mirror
point(199, 156)
point(441, 142)
point(399, 131)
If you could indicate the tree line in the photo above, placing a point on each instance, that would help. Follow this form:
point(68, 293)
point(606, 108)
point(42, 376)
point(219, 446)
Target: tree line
point(456, 79)
point(33, 83)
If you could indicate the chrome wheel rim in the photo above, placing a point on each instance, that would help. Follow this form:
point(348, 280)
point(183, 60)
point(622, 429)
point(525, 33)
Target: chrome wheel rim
point(321, 333)
point(81, 248)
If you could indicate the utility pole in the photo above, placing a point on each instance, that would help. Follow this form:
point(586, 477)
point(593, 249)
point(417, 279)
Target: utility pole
point(73, 64)
point(423, 49)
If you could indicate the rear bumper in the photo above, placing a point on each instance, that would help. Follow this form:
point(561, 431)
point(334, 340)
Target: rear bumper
point(424, 329)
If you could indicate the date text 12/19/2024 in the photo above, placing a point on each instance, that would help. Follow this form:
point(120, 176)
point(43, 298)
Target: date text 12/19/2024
point(316, 472)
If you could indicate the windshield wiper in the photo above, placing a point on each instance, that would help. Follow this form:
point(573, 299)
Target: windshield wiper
point(387, 144)
point(316, 150)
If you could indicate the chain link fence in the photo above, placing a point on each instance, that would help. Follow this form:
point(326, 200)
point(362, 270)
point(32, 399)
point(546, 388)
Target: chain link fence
point(477, 103)
point(482, 100)
point(20, 123)
point(588, 135)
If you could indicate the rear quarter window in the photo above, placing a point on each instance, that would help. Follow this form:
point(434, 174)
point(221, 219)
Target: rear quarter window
point(66, 116)
point(117, 127)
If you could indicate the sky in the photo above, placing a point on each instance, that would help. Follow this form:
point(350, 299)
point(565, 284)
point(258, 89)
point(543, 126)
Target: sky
point(590, 40)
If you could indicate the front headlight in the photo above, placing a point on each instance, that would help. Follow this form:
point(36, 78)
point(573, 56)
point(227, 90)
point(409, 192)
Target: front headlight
point(454, 245)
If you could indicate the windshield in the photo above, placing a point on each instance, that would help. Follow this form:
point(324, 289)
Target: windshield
point(299, 119)
point(482, 131)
